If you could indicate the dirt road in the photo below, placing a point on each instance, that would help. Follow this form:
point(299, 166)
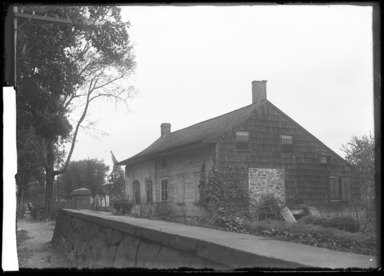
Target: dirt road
point(34, 248)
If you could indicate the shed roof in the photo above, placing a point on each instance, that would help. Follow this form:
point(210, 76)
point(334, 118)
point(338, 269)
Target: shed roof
point(198, 133)
point(81, 191)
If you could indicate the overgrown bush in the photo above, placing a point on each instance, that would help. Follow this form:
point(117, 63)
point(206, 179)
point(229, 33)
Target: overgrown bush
point(314, 235)
point(321, 221)
point(296, 199)
point(223, 193)
point(225, 221)
point(346, 223)
point(269, 208)
point(123, 205)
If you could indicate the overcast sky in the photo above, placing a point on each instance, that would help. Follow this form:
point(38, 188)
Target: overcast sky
point(198, 62)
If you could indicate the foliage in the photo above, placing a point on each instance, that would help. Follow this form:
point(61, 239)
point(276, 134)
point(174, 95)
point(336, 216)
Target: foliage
point(89, 173)
point(29, 167)
point(322, 221)
point(37, 211)
point(227, 222)
point(35, 192)
point(123, 205)
point(65, 67)
point(294, 200)
point(359, 152)
point(346, 223)
point(116, 183)
point(224, 196)
point(268, 207)
point(314, 235)
point(299, 232)
point(223, 192)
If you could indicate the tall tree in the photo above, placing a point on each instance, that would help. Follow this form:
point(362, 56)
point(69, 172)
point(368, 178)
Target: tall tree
point(116, 183)
point(62, 68)
point(359, 152)
point(89, 173)
point(29, 167)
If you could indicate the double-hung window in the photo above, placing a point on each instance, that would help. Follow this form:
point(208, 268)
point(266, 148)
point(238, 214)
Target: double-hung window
point(164, 189)
point(149, 190)
point(242, 140)
point(287, 144)
point(136, 191)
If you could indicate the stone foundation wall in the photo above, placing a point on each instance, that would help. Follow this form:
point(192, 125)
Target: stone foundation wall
point(92, 242)
point(266, 181)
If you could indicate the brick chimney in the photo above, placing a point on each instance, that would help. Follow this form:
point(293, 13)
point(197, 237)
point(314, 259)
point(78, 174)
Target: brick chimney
point(165, 128)
point(259, 91)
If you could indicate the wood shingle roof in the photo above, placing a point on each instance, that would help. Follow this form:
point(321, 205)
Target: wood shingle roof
point(198, 133)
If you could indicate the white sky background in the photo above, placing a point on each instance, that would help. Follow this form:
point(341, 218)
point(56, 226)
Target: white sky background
point(198, 62)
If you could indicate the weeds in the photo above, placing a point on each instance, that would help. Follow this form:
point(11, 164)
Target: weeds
point(314, 235)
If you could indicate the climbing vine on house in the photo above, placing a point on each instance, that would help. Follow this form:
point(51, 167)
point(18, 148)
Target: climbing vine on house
point(223, 193)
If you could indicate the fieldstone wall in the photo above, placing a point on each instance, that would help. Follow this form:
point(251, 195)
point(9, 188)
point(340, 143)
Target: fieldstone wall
point(87, 243)
point(266, 181)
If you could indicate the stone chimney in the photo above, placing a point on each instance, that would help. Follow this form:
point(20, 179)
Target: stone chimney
point(259, 91)
point(165, 128)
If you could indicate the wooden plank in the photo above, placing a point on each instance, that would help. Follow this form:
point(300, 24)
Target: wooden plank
point(287, 215)
point(45, 18)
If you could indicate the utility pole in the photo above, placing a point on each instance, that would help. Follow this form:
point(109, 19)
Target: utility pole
point(11, 44)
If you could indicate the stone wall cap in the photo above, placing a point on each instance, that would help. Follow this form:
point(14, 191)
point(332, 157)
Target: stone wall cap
point(236, 250)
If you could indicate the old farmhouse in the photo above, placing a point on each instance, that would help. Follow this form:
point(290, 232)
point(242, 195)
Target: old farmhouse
point(282, 158)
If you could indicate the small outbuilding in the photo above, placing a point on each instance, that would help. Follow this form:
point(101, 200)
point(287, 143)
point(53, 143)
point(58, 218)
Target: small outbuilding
point(81, 199)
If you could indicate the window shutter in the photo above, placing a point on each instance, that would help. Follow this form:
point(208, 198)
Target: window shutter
point(181, 189)
point(346, 189)
point(337, 189)
point(332, 184)
point(343, 189)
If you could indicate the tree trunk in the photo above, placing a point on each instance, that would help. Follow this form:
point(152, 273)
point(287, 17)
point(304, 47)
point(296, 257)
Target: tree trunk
point(21, 181)
point(20, 204)
point(49, 179)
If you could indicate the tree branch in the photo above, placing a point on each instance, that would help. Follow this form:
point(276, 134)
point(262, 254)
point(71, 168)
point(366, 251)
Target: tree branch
point(76, 130)
point(108, 82)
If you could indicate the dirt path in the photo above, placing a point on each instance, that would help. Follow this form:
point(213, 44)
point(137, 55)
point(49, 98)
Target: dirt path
point(35, 249)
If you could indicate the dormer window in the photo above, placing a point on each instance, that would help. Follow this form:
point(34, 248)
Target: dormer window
point(242, 140)
point(287, 144)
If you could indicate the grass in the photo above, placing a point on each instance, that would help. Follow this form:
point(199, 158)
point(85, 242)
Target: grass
point(300, 232)
point(315, 235)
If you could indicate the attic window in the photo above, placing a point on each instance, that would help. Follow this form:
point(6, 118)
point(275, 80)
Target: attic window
point(324, 159)
point(242, 140)
point(287, 143)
